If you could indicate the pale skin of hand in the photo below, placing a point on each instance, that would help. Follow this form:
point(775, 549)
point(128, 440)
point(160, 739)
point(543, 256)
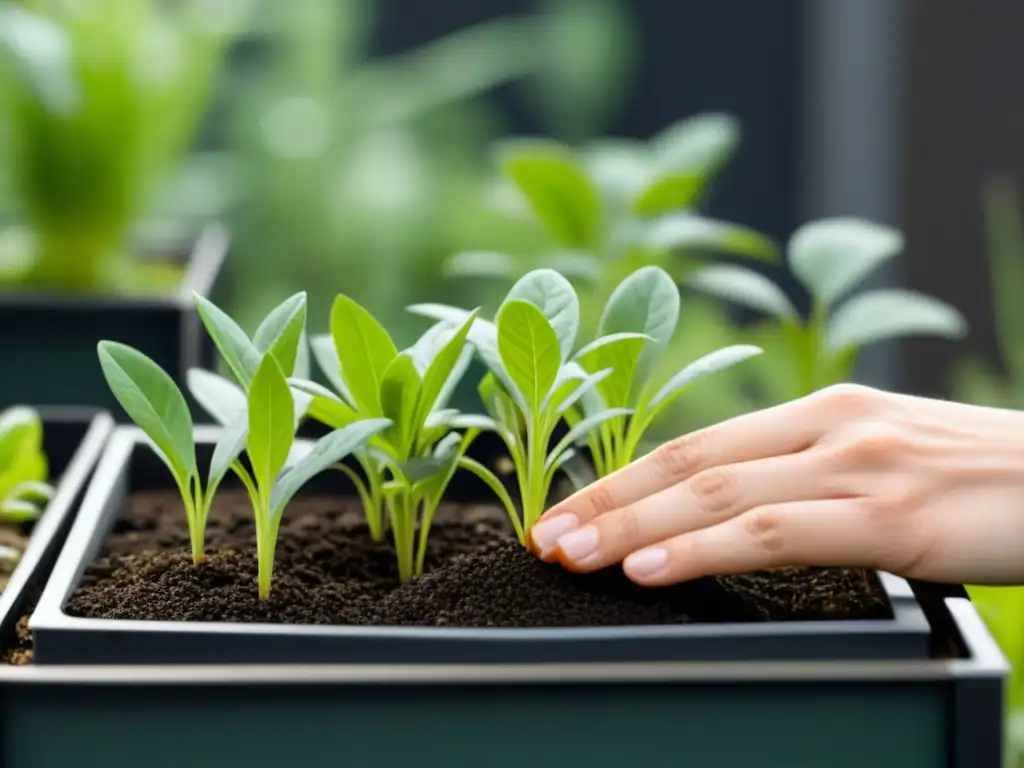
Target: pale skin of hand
point(849, 476)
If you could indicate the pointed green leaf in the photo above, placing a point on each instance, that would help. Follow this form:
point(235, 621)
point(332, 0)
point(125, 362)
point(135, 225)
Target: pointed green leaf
point(711, 363)
point(690, 233)
point(557, 189)
point(743, 287)
point(327, 360)
point(219, 397)
point(646, 302)
point(303, 369)
point(441, 368)
point(399, 395)
point(529, 350)
point(831, 256)
point(228, 448)
point(555, 297)
point(21, 431)
point(328, 450)
point(581, 390)
point(271, 422)
point(153, 401)
point(281, 332)
point(619, 354)
point(235, 347)
point(891, 313)
point(364, 352)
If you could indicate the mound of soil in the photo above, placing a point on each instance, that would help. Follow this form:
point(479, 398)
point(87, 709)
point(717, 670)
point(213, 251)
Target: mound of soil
point(329, 571)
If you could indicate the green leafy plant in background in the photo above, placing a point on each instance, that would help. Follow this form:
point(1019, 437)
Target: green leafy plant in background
point(264, 427)
point(24, 469)
point(829, 258)
point(533, 381)
point(976, 381)
point(408, 466)
point(86, 162)
point(634, 332)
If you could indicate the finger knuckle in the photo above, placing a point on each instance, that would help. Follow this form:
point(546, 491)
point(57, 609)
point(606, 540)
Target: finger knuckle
point(894, 506)
point(850, 400)
point(601, 499)
point(715, 490)
point(765, 527)
point(628, 527)
point(680, 457)
point(876, 443)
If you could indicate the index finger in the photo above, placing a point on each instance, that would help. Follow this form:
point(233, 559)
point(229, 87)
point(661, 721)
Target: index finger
point(776, 431)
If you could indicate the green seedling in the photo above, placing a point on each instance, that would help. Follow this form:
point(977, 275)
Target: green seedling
point(635, 329)
point(829, 258)
point(24, 468)
point(614, 206)
point(265, 429)
point(407, 467)
point(533, 381)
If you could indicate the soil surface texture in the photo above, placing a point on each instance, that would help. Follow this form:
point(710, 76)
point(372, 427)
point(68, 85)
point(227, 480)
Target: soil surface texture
point(329, 571)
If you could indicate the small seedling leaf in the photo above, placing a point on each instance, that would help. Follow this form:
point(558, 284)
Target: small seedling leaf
point(743, 287)
point(831, 256)
point(235, 347)
point(691, 233)
point(153, 401)
point(711, 363)
point(530, 350)
point(554, 296)
point(326, 357)
point(439, 371)
point(364, 349)
point(399, 394)
point(271, 422)
point(219, 397)
point(891, 313)
point(281, 331)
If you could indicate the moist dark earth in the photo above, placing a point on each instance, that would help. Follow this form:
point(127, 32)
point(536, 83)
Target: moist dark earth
point(329, 571)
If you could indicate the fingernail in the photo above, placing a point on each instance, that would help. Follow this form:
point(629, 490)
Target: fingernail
point(579, 544)
point(646, 562)
point(545, 535)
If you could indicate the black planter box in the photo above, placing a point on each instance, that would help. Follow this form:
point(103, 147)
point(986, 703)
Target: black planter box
point(130, 465)
point(52, 348)
point(73, 439)
point(840, 714)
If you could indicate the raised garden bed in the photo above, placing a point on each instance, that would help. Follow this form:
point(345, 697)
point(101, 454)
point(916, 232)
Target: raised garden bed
point(73, 440)
point(125, 592)
point(68, 326)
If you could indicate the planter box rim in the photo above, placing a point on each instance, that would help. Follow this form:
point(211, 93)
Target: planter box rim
point(905, 636)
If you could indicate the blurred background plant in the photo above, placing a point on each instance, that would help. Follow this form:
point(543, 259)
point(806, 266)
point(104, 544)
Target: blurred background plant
point(84, 163)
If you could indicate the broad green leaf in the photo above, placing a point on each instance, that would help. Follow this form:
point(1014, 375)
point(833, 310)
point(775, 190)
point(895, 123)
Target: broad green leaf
point(690, 233)
point(235, 347)
point(455, 377)
point(328, 450)
point(489, 264)
point(529, 350)
point(891, 313)
point(271, 422)
point(831, 256)
point(399, 394)
point(669, 191)
point(219, 397)
point(364, 351)
point(581, 429)
point(711, 363)
point(40, 53)
point(440, 369)
point(619, 354)
point(326, 357)
point(646, 302)
point(744, 287)
point(557, 190)
point(153, 401)
point(302, 369)
point(281, 332)
point(555, 297)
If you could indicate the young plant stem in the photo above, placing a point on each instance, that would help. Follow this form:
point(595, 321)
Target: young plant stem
point(266, 541)
point(429, 507)
point(534, 490)
point(402, 508)
point(193, 501)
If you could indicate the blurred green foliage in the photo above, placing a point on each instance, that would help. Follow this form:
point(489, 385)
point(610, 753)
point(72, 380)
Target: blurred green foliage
point(84, 159)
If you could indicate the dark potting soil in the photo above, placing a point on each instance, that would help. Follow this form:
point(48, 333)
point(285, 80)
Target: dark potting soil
point(329, 571)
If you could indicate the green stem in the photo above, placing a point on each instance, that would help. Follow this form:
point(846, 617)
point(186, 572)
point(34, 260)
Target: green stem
point(266, 540)
point(535, 495)
point(402, 519)
point(429, 506)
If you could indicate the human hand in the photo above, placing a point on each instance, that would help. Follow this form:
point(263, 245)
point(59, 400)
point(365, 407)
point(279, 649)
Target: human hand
point(849, 476)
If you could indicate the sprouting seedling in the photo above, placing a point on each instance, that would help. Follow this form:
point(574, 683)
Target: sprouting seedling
point(24, 468)
point(407, 467)
point(153, 401)
point(532, 383)
point(635, 329)
point(829, 258)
